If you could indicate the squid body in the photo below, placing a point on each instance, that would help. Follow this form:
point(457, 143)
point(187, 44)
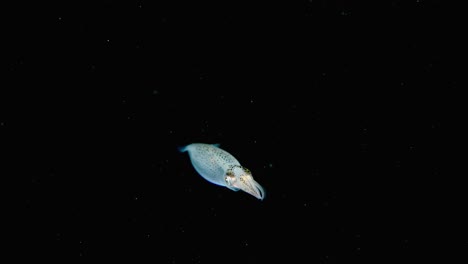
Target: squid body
point(221, 168)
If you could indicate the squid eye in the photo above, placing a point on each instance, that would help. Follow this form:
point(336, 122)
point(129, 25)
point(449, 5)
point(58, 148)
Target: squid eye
point(228, 180)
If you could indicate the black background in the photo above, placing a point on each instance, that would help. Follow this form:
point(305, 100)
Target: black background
point(337, 108)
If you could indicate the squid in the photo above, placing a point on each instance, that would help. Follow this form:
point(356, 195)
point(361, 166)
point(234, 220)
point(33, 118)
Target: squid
point(221, 168)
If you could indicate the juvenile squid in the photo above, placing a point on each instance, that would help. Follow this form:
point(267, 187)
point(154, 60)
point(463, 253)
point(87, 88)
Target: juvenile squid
point(221, 168)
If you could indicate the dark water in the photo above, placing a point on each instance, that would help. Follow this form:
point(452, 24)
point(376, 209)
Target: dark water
point(336, 108)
